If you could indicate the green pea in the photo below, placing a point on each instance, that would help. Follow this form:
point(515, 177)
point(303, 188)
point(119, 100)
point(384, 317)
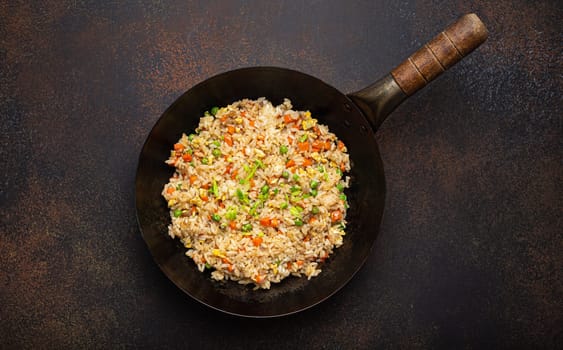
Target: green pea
point(285, 174)
point(216, 152)
point(314, 184)
point(214, 110)
point(216, 217)
point(284, 205)
point(295, 177)
point(191, 137)
point(314, 192)
point(217, 143)
point(343, 197)
point(340, 187)
point(283, 149)
point(247, 227)
point(298, 222)
point(177, 213)
point(315, 210)
point(204, 161)
point(265, 189)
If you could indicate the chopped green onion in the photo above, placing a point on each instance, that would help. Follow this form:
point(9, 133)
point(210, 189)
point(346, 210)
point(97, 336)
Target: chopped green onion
point(216, 152)
point(216, 217)
point(215, 189)
point(315, 210)
point(314, 184)
point(247, 227)
point(214, 110)
point(179, 187)
point(294, 189)
point(259, 163)
point(207, 266)
point(303, 138)
point(285, 174)
point(295, 177)
point(204, 161)
point(284, 205)
point(276, 190)
point(265, 189)
point(340, 187)
point(296, 211)
point(231, 213)
point(298, 222)
point(339, 171)
point(283, 149)
point(177, 213)
point(321, 168)
point(189, 151)
point(243, 197)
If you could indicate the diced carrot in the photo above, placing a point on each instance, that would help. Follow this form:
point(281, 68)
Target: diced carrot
point(231, 129)
point(266, 221)
point(192, 179)
point(205, 186)
point(233, 225)
point(317, 130)
point(306, 238)
point(259, 279)
point(317, 145)
point(224, 118)
point(290, 163)
point(307, 162)
point(229, 168)
point(297, 125)
point(312, 219)
point(328, 145)
point(229, 140)
point(288, 265)
point(336, 216)
point(287, 119)
point(225, 261)
point(204, 198)
point(340, 145)
point(251, 121)
point(193, 210)
point(275, 223)
point(257, 241)
point(221, 204)
point(234, 174)
point(252, 183)
point(178, 147)
point(290, 139)
point(187, 157)
point(303, 146)
point(299, 263)
point(342, 167)
point(170, 190)
point(230, 268)
point(243, 113)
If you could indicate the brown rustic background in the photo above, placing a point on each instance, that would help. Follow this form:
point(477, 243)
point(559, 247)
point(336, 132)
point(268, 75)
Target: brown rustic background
point(470, 251)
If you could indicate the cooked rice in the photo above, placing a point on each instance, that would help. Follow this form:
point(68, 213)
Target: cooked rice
point(257, 194)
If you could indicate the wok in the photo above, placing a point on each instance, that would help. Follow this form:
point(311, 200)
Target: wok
point(354, 118)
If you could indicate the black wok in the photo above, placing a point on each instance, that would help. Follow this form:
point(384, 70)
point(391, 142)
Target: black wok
point(354, 118)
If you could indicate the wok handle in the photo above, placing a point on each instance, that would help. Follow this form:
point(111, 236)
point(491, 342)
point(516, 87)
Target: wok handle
point(440, 53)
point(378, 100)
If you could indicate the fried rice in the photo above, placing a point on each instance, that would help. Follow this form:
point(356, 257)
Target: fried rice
point(258, 193)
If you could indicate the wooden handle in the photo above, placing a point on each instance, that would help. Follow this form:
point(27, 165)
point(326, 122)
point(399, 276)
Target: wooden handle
point(439, 54)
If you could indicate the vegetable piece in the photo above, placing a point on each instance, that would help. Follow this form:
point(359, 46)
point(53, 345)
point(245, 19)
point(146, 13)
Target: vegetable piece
point(298, 222)
point(214, 110)
point(284, 205)
point(336, 216)
point(274, 222)
point(231, 129)
point(231, 213)
point(303, 146)
point(303, 138)
point(283, 149)
point(295, 177)
point(204, 161)
point(178, 147)
point(228, 139)
point(170, 190)
point(343, 197)
point(340, 145)
point(191, 137)
point(340, 186)
point(314, 184)
point(233, 225)
point(285, 174)
point(266, 221)
point(247, 227)
point(296, 211)
point(216, 217)
point(307, 162)
point(287, 119)
point(314, 192)
point(257, 241)
point(315, 210)
point(290, 163)
point(216, 152)
point(177, 213)
point(215, 189)
point(187, 157)
point(192, 179)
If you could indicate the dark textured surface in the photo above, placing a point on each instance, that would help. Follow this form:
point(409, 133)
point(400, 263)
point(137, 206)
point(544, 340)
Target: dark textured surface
point(470, 250)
